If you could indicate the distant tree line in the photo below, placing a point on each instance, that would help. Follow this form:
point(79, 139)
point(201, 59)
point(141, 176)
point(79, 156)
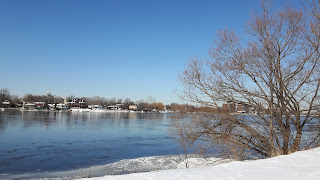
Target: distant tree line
point(187, 108)
point(15, 101)
point(48, 99)
point(149, 104)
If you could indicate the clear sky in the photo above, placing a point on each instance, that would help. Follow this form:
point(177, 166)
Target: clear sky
point(109, 48)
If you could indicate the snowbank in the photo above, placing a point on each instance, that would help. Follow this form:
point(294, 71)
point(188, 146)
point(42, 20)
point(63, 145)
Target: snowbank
point(299, 165)
point(126, 166)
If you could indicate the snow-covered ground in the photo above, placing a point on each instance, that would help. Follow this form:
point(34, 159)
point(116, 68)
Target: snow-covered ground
point(299, 165)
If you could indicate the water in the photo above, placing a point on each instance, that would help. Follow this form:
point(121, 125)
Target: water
point(42, 141)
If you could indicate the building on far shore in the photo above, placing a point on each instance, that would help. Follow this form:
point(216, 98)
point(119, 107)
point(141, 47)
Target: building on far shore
point(5, 104)
point(229, 106)
point(77, 103)
point(232, 107)
point(39, 105)
point(114, 107)
point(133, 107)
point(242, 108)
point(28, 106)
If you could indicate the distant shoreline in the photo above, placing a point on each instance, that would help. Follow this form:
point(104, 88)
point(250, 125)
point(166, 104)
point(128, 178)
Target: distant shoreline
point(84, 110)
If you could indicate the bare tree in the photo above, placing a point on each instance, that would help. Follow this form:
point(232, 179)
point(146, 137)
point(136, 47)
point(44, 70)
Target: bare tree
point(15, 99)
point(119, 101)
point(126, 103)
point(4, 94)
point(178, 131)
point(143, 105)
point(70, 98)
point(151, 99)
point(96, 100)
point(275, 71)
point(29, 98)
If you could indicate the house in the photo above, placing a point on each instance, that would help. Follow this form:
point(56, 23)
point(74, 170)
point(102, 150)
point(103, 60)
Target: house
point(112, 107)
point(28, 106)
point(52, 106)
point(78, 103)
point(39, 105)
point(229, 107)
point(242, 108)
point(5, 104)
point(61, 107)
point(133, 107)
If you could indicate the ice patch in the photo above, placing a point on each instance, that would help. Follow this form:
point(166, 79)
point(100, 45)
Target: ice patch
point(306, 166)
point(126, 166)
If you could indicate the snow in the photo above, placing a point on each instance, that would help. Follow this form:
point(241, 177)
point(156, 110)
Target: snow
point(126, 166)
point(299, 165)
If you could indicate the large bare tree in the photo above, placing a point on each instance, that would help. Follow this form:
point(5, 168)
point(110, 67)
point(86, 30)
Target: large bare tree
point(274, 70)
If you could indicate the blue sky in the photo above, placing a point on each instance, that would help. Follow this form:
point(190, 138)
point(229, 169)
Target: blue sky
point(110, 48)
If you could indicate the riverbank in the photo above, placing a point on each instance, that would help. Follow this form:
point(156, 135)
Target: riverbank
point(84, 110)
point(299, 165)
point(126, 166)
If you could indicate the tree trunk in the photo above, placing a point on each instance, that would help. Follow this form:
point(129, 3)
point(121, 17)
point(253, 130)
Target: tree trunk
point(297, 141)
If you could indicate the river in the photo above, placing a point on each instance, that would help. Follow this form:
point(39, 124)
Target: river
point(48, 141)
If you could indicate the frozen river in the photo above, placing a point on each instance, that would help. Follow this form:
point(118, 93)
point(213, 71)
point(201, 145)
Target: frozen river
point(43, 141)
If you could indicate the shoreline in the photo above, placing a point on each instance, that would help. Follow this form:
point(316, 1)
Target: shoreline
point(125, 166)
point(84, 110)
point(298, 165)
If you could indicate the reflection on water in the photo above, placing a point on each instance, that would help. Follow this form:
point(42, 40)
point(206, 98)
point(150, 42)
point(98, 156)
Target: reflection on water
point(49, 118)
point(38, 141)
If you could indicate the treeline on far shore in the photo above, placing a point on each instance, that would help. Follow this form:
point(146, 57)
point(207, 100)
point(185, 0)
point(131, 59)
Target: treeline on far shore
point(14, 101)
